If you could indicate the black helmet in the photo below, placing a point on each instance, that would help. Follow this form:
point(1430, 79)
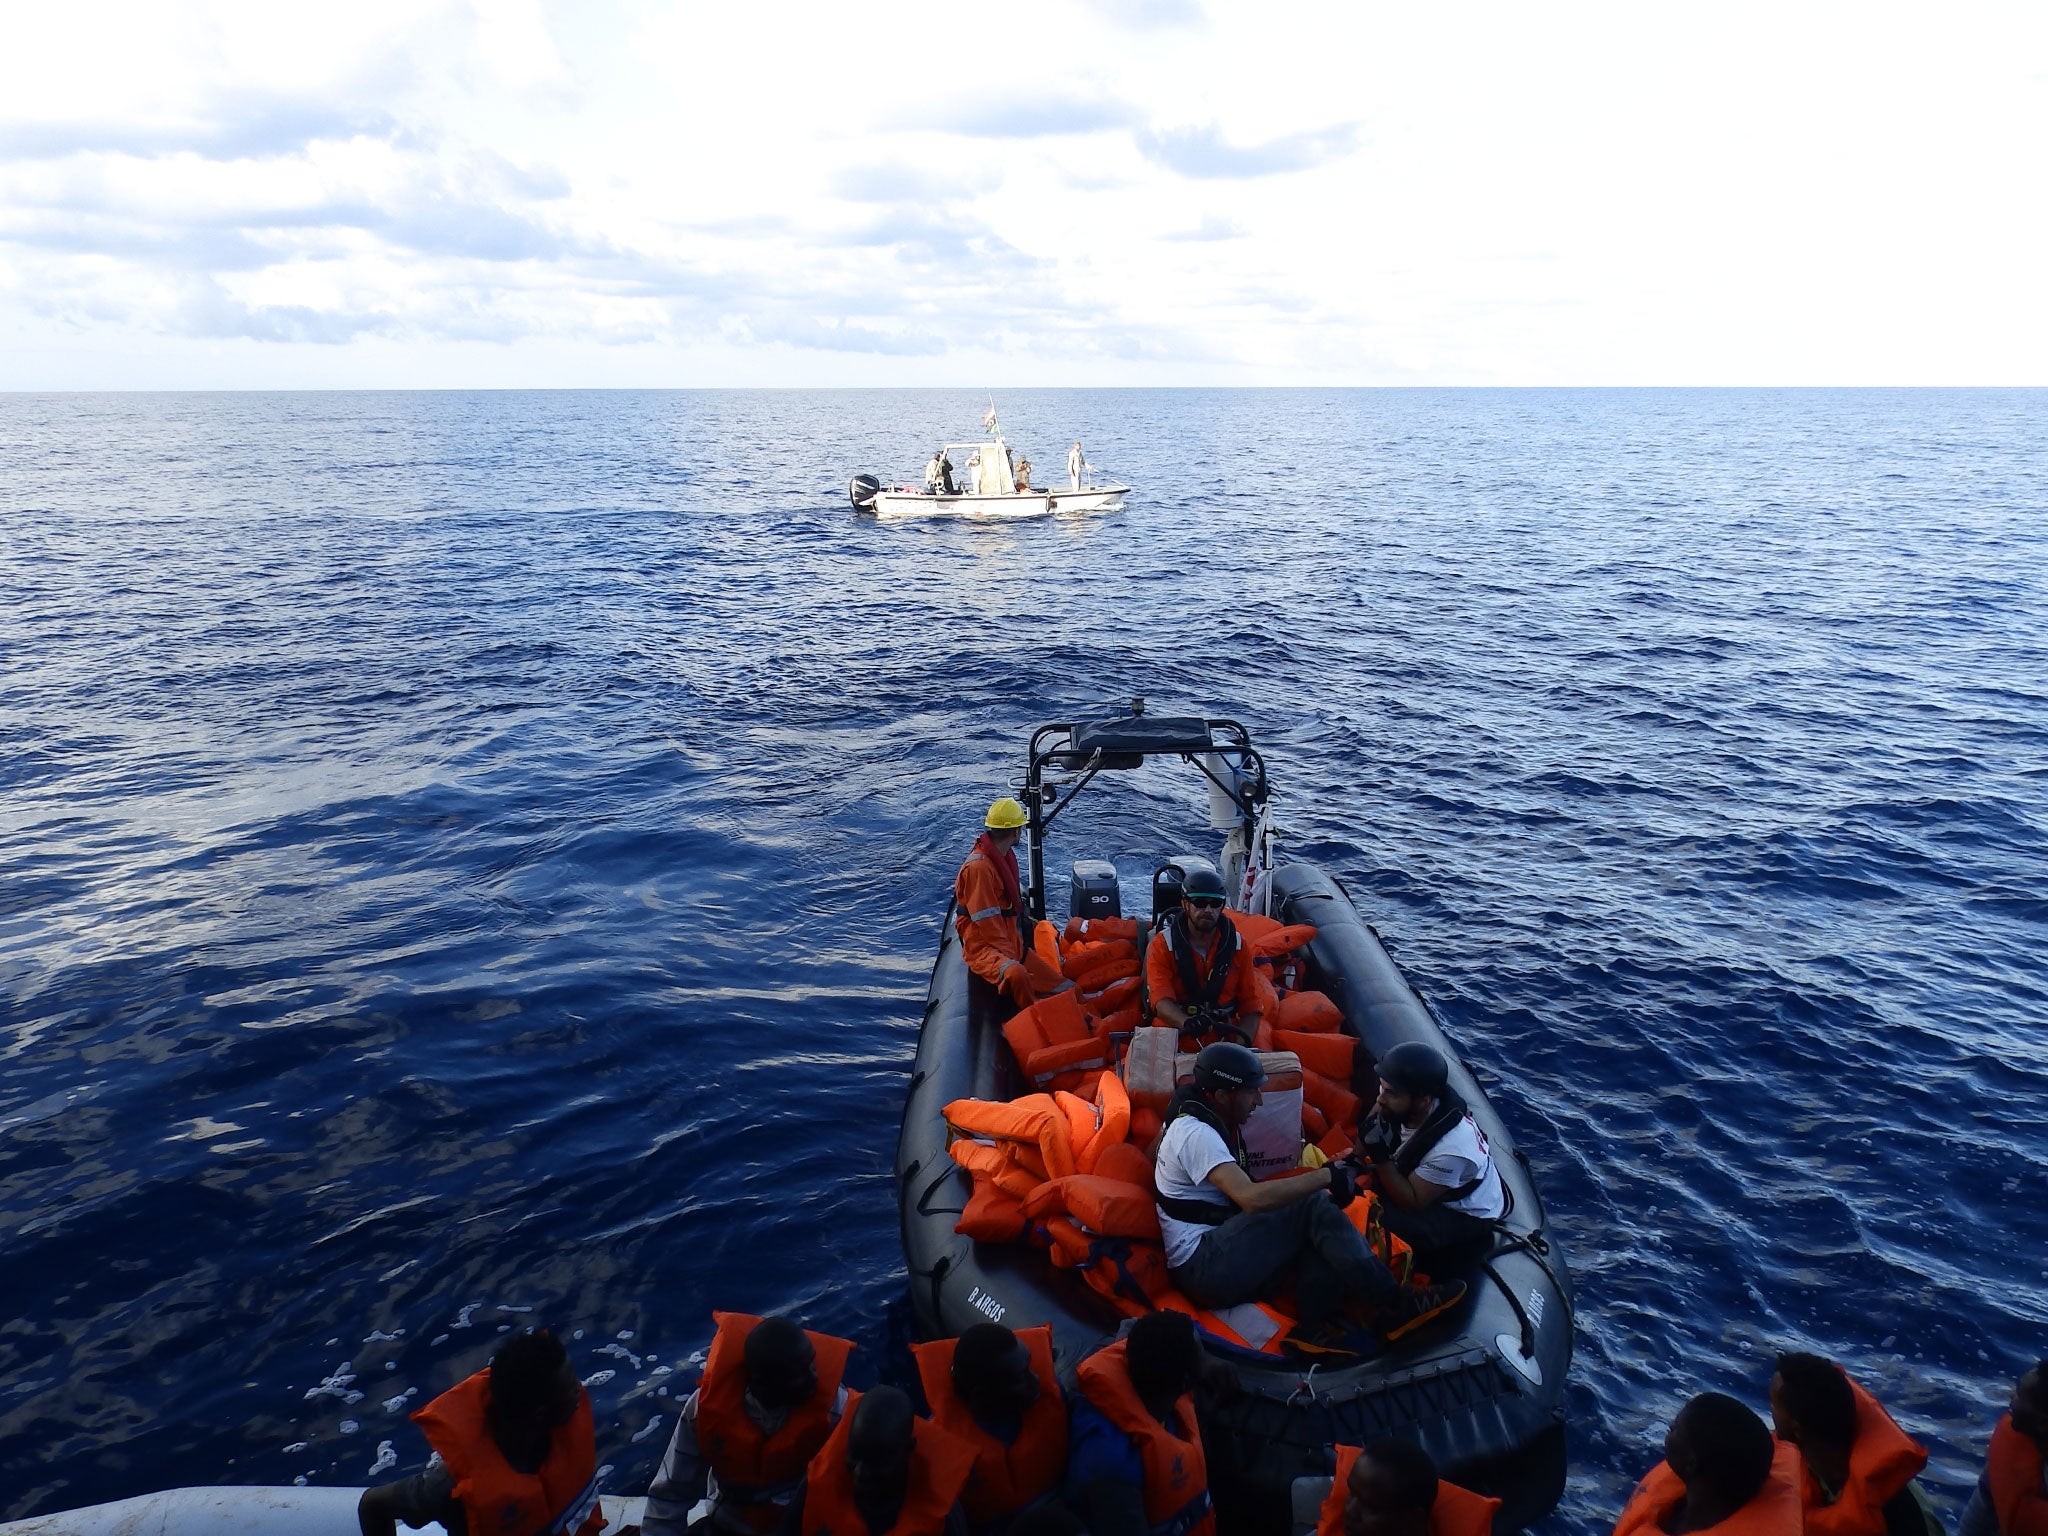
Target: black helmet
point(1412, 1067)
point(1228, 1066)
point(1202, 881)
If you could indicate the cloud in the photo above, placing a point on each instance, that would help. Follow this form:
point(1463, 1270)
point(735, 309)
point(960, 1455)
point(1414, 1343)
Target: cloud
point(1151, 15)
point(1202, 153)
point(237, 128)
point(892, 183)
point(1211, 228)
point(828, 336)
point(1030, 117)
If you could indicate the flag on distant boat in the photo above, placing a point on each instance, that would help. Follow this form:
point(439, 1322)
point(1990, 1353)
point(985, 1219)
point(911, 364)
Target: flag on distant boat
point(988, 417)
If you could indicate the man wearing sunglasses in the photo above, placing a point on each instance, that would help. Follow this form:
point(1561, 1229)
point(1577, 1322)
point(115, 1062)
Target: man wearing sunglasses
point(1199, 973)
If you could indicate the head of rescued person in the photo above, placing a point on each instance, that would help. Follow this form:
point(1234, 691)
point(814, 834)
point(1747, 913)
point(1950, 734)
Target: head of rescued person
point(1137, 1465)
point(518, 1452)
point(2011, 1497)
point(884, 1472)
point(1722, 1471)
point(1391, 1488)
point(997, 1392)
point(1230, 1239)
point(770, 1394)
point(1429, 1158)
point(1198, 972)
point(1860, 1467)
point(1004, 971)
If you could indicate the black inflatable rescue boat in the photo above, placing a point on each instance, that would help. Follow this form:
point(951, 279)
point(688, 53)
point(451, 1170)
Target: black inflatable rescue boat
point(1482, 1388)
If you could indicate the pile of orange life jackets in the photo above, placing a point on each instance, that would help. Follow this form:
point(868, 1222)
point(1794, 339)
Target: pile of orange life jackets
point(1069, 1168)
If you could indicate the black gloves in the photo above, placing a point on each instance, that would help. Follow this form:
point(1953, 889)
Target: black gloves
point(1343, 1184)
point(1377, 1139)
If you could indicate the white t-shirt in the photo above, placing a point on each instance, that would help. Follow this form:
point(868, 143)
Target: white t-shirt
point(1188, 1153)
point(1456, 1161)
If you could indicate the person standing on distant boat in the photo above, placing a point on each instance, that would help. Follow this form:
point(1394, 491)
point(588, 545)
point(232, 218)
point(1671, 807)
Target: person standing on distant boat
point(1023, 477)
point(1075, 464)
point(935, 472)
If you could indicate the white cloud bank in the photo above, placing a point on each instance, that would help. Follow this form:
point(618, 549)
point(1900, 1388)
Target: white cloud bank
point(1131, 191)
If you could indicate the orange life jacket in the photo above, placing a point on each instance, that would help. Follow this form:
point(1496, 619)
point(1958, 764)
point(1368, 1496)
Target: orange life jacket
point(1255, 1325)
point(757, 1473)
point(1099, 1206)
point(1006, 1477)
point(2013, 1472)
point(1055, 1042)
point(939, 1468)
point(1882, 1460)
point(1176, 1476)
point(497, 1499)
point(1308, 1013)
point(1327, 1052)
point(1773, 1512)
point(1458, 1511)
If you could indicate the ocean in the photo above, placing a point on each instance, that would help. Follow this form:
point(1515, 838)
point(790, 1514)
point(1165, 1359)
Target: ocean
point(474, 859)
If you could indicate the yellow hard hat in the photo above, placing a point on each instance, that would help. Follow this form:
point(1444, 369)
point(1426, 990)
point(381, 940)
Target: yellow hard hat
point(1004, 815)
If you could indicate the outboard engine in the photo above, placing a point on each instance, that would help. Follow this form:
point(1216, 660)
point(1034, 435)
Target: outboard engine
point(1095, 892)
point(862, 491)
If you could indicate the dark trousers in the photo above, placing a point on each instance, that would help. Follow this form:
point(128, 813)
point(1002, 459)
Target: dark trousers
point(1249, 1256)
point(1437, 1232)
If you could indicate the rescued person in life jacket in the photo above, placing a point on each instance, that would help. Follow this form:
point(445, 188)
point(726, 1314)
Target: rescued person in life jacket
point(883, 1472)
point(1723, 1472)
point(1428, 1156)
point(996, 1391)
point(518, 1452)
point(1859, 1466)
point(2012, 1494)
point(769, 1397)
point(1198, 971)
point(1391, 1488)
point(988, 913)
point(1137, 1466)
point(1230, 1239)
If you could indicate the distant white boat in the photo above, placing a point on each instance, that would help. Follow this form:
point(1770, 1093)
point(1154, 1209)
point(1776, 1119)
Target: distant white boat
point(977, 480)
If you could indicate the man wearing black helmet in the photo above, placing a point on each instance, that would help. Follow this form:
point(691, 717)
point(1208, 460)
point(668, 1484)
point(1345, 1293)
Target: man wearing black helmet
point(1198, 972)
point(1429, 1157)
point(1230, 1239)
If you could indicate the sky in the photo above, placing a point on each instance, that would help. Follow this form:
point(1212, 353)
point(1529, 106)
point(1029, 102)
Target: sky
point(1063, 192)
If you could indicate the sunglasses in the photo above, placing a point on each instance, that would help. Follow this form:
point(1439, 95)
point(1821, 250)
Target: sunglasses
point(1211, 902)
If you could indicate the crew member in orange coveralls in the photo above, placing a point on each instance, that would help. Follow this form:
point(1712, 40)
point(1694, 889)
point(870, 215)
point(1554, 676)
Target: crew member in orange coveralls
point(988, 911)
point(1197, 969)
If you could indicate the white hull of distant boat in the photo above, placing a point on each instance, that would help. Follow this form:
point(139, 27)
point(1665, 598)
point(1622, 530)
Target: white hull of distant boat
point(892, 506)
point(978, 481)
point(240, 1512)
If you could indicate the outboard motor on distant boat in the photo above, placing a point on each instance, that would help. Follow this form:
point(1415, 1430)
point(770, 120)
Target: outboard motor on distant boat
point(862, 491)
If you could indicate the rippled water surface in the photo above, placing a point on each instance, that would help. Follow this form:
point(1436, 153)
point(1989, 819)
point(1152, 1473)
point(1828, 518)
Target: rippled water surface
point(473, 858)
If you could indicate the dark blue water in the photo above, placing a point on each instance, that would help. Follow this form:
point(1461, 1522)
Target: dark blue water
point(474, 858)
